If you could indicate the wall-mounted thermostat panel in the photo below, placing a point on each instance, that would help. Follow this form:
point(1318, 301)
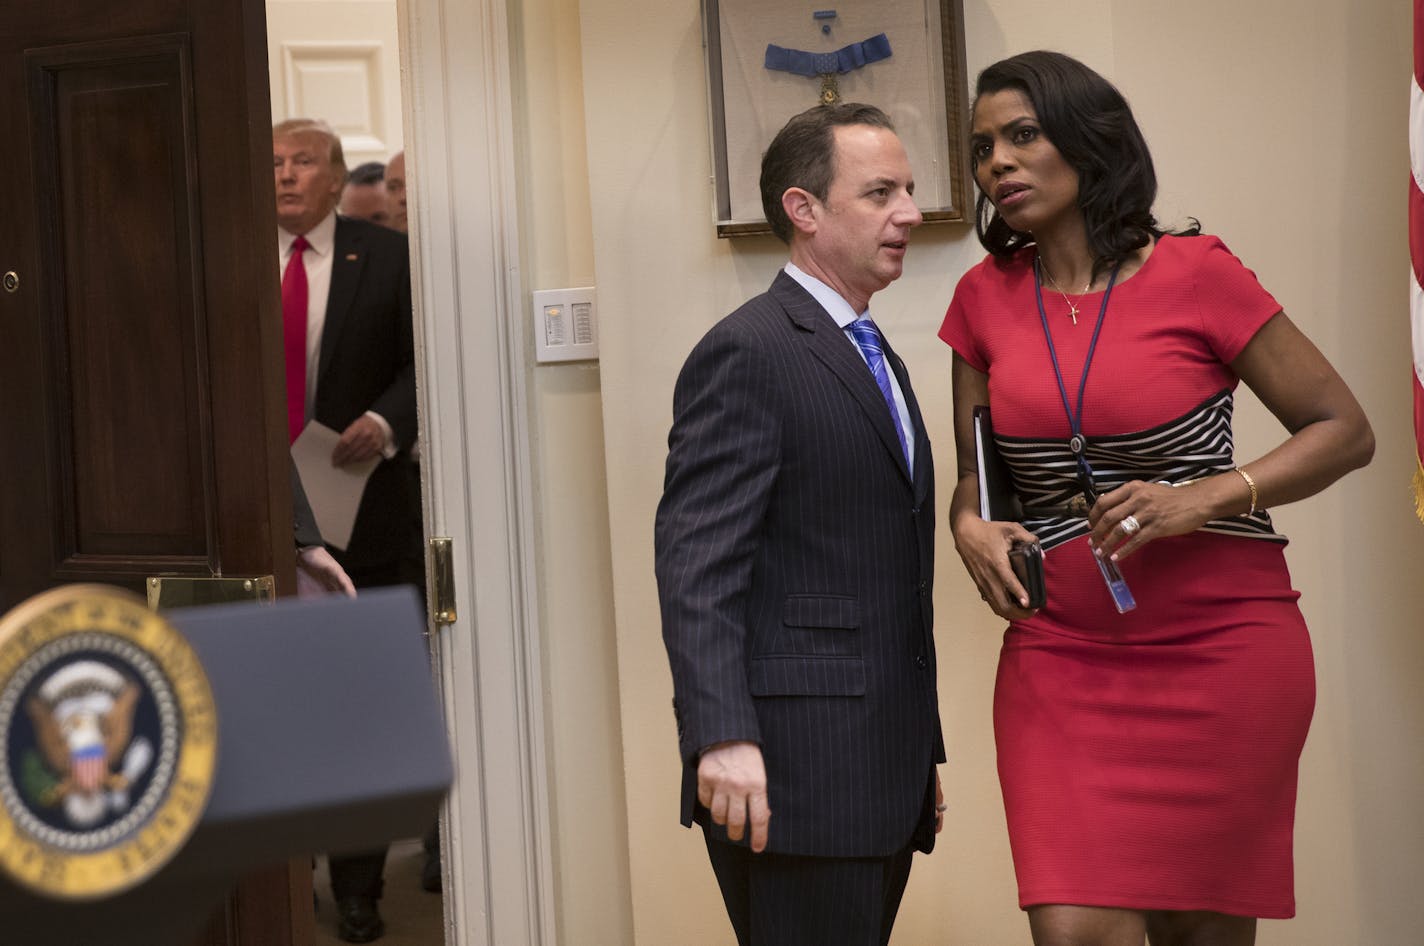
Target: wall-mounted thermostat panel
point(565, 324)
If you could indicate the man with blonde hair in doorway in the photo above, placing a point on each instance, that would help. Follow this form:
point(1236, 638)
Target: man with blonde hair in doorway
point(347, 334)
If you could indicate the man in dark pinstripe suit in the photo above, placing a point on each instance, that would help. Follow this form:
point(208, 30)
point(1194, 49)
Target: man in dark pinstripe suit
point(795, 560)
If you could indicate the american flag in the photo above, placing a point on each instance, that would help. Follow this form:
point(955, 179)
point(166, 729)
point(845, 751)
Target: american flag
point(88, 766)
point(1416, 248)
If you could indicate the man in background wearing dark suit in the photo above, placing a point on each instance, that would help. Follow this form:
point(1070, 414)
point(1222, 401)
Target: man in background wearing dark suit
point(350, 366)
point(396, 212)
point(795, 558)
point(364, 196)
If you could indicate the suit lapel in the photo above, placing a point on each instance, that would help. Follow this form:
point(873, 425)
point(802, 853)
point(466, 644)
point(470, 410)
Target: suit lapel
point(922, 440)
point(828, 343)
point(348, 259)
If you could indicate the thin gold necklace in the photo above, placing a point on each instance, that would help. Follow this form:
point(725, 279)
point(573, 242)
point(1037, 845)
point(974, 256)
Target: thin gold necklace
point(1072, 309)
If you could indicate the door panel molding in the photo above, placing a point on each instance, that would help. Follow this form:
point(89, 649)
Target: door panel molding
point(339, 60)
point(129, 405)
point(343, 83)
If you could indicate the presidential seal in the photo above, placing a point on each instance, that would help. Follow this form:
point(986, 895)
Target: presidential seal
point(109, 738)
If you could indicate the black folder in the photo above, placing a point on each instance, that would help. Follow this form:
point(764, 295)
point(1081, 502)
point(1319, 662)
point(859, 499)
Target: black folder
point(998, 500)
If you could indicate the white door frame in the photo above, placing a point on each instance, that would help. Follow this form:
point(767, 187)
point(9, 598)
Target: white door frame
point(470, 368)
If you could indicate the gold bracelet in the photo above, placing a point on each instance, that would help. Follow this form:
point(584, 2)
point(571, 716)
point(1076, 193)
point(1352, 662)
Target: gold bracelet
point(1251, 485)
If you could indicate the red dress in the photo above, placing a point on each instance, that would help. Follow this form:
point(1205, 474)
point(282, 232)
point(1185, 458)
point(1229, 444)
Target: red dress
point(1148, 760)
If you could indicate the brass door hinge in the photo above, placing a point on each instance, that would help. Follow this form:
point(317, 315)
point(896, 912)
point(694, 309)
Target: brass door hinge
point(442, 580)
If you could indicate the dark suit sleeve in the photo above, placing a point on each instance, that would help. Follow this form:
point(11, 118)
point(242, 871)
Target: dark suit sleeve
point(304, 520)
point(723, 459)
point(397, 402)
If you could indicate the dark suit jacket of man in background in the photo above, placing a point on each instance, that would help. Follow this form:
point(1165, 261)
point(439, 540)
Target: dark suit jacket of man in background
point(795, 564)
point(304, 527)
point(367, 362)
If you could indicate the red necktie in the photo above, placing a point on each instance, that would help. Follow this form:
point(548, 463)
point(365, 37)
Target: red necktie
point(294, 336)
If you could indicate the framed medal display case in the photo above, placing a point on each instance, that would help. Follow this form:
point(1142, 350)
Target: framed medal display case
point(770, 59)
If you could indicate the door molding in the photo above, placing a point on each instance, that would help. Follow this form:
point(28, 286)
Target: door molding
point(470, 367)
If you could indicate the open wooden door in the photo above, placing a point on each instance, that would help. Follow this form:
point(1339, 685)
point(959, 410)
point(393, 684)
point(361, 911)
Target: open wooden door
point(140, 370)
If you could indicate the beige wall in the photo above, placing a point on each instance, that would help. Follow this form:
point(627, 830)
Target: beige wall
point(1280, 124)
point(584, 740)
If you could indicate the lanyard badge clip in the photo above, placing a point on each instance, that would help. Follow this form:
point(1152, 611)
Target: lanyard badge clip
point(1112, 576)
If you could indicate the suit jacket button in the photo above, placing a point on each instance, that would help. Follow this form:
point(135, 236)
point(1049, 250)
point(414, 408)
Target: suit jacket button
point(921, 662)
point(923, 587)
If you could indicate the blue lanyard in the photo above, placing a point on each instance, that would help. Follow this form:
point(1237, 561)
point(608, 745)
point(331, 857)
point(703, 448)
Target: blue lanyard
point(1075, 419)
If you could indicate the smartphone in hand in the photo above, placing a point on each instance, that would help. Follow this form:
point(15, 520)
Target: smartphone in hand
point(1026, 559)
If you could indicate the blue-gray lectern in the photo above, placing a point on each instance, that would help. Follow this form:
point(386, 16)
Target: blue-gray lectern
point(317, 726)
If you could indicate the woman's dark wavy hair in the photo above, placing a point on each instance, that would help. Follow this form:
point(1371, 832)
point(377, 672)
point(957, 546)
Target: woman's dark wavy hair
point(1089, 122)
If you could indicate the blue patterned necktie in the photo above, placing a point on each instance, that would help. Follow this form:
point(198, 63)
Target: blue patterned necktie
point(867, 336)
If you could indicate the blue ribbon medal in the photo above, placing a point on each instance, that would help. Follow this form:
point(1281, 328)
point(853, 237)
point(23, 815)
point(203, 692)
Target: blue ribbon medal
point(828, 65)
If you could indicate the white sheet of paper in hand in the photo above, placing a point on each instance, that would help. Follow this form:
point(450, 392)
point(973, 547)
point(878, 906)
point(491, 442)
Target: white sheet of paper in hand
point(334, 491)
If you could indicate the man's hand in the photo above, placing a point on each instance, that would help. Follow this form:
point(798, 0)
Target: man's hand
point(362, 440)
point(940, 806)
point(731, 782)
point(319, 574)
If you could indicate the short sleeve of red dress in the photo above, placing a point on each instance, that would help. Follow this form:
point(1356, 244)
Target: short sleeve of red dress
point(958, 330)
point(1169, 334)
point(1232, 303)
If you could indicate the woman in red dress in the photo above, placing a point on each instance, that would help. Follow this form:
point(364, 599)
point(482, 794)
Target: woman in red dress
point(1149, 717)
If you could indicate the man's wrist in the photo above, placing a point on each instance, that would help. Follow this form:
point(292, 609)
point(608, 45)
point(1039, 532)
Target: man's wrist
point(724, 743)
point(388, 444)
